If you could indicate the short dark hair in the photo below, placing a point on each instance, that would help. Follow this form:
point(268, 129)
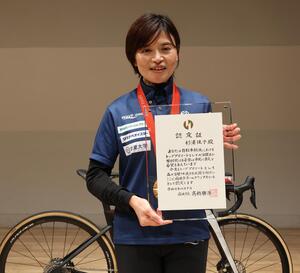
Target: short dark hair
point(145, 30)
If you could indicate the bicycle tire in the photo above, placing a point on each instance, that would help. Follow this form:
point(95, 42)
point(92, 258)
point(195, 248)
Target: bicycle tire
point(254, 244)
point(34, 243)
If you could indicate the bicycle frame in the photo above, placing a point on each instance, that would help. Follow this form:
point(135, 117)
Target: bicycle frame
point(223, 257)
point(210, 217)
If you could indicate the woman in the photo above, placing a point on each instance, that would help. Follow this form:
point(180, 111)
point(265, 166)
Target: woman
point(143, 239)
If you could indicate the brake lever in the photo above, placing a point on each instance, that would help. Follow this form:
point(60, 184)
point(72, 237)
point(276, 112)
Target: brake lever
point(253, 197)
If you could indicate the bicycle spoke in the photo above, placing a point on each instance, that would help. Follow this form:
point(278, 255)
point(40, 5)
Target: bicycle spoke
point(98, 270)
point(75, 237)
point(92, 261)
point(39, 243)
point(31, 253)
point(45, 238)
point(244, 242)
point(268, 254)
point(26, 256)
point(234, 248)
point(52, 241)
point(66, 233)
point(214, 251)
point(32, 265)
point(251, 251)
point(211, 264)
point(88, 254)
point(254, 251)
point(259, 269)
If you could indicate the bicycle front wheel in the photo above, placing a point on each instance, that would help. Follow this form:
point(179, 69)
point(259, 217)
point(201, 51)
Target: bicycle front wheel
point(254, 245)
point(36, 243)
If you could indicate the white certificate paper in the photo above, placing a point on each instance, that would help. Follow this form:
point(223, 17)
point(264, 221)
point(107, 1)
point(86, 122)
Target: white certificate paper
point(190, 161)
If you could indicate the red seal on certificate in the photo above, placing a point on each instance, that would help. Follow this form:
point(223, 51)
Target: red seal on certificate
point(213, 192)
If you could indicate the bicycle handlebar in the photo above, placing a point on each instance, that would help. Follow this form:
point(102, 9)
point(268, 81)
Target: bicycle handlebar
point(239, 191)
point(230, 188)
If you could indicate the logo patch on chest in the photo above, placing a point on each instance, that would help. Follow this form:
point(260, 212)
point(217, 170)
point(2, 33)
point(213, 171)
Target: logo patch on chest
point(135, 135)
point(136, 147)
point(131, 126)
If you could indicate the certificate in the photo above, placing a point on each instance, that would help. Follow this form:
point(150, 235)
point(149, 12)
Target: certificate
point(190, 161)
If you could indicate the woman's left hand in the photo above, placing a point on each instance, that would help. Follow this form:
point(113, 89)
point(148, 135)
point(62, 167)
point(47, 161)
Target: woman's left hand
point(231, 134)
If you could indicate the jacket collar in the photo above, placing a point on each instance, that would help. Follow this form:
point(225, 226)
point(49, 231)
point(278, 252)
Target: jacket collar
point(158, 93)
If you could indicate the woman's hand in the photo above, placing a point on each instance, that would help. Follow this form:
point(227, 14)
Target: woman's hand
point(231, 134)
point(146, 215)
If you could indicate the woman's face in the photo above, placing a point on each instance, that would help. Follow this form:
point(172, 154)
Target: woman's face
point(158, 61)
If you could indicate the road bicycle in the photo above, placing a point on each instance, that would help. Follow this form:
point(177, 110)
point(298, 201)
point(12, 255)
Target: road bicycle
point(64, 242)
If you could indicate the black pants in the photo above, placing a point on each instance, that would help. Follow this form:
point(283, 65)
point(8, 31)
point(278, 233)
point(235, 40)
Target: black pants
point(177, 258)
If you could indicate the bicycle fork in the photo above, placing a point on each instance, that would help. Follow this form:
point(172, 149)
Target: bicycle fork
point(216, 228)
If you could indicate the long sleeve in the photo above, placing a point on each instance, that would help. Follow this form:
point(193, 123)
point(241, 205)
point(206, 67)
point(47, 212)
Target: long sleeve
point(104, 188)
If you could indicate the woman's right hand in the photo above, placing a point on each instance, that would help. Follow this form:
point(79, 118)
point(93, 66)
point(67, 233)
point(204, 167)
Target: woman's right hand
point(146, 214)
